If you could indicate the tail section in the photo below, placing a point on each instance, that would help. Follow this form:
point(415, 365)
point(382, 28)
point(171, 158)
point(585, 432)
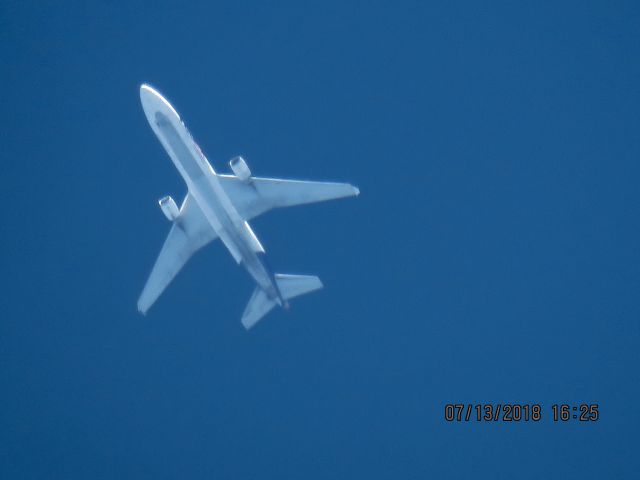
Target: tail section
point(290, 286)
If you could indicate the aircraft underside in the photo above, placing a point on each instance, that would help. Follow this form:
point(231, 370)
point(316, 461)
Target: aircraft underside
point(220, 206)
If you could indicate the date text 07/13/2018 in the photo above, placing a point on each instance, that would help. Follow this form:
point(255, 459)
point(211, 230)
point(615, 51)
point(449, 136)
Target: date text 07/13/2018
point(515, 412)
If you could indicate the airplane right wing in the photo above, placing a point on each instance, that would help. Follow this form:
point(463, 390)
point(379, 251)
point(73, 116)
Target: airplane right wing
point(260, 195)
point(189, 232)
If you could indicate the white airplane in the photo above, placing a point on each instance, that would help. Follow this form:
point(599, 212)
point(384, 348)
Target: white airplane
point(219, 206)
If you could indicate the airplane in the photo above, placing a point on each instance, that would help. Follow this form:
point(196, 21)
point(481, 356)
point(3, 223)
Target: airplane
point(220, 206)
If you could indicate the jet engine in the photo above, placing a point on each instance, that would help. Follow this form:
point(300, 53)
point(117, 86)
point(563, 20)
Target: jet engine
point(169, 208)
point(240, 168)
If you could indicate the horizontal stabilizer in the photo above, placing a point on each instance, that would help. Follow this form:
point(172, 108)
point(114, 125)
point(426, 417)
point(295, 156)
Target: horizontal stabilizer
point(259, 305)
point(290, 286)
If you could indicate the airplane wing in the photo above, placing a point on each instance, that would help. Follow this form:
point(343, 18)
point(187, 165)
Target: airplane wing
point(260, 195)
point(189, 233)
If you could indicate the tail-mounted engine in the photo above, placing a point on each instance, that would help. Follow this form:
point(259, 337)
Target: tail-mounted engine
point(240, 168)
point(169, 208)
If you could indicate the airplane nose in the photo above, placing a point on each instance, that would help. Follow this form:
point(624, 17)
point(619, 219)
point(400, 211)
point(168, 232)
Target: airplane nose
point(152, 101)
point(145, 92)
point(147, 99)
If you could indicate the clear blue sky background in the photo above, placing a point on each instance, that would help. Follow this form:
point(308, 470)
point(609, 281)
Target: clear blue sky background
point(491, 257)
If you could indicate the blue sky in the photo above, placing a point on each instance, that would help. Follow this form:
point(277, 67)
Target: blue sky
point(491, 257)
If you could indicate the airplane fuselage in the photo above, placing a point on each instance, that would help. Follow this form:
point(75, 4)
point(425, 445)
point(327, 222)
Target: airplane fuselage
point(206, 189)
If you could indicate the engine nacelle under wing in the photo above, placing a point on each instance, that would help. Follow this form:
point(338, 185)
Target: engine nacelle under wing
point(169, 208)
point(240, 168)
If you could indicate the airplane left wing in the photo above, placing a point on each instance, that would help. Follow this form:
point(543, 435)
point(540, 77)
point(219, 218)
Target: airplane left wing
point(189, 232)
point(259, 195)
